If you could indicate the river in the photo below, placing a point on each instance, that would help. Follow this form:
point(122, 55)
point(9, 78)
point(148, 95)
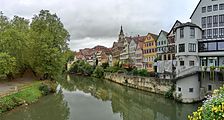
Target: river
point(85, 98)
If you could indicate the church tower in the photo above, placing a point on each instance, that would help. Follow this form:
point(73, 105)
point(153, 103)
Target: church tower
point(121, 36)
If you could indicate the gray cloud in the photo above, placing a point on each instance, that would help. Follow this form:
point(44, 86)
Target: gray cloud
point(98, 22)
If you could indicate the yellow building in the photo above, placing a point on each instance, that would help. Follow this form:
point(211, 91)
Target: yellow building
point(149, 51)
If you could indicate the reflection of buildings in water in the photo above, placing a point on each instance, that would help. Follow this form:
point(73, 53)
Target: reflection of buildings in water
point(132, 104)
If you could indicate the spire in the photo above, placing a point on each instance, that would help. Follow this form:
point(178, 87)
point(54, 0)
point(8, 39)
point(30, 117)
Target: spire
point(121, 31)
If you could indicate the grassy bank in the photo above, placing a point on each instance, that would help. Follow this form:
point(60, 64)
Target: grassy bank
point(26, 95)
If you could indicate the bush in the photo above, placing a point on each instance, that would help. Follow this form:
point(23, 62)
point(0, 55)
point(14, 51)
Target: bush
point(98, 72)
point(169, 94)
point(82, 68)
point(112, 69)
point(105, 65)
point(212, 109)
point(45, 89)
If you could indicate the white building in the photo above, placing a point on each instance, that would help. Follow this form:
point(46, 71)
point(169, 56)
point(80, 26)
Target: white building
point(132, 50)
point(209, 15)
point(187, 85)
point(139, 55)
point(124, 56)
point(194, 78)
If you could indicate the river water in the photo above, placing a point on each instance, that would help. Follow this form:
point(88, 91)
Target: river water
point(85, 98)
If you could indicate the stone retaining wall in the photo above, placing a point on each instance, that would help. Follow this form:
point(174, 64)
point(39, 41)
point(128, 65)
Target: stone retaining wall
point(149, 84)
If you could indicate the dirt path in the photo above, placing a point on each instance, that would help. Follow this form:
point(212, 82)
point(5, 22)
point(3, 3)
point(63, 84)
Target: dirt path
point(6, 87)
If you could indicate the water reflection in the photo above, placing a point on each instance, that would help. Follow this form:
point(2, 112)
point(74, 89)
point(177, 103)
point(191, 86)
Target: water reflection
point(51, 107)
point(129, 104)
point(85, 98)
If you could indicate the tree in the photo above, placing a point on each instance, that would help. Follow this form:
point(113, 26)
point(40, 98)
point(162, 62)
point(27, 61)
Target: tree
point(49, 38)
point(7, 65)
point(14, 39)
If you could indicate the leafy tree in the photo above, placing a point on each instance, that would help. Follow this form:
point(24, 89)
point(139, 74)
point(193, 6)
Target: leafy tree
point(49, 38)
point(7, 65)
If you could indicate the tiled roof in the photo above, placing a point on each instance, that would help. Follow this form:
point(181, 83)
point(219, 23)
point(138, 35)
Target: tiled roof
point(188, 24)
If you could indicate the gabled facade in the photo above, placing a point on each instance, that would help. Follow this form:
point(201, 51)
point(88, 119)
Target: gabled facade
point(132, 50)
point(149, 51)
point(124, 56)
point(166, 53)
point(162, 46)
point(139, 55)
point(171, 40)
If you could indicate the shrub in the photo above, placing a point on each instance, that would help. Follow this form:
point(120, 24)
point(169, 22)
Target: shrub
point(112, 69)
point(98, 72)
point(105, 65)
point(169, 94)
point(212, 109)
point(45, 89)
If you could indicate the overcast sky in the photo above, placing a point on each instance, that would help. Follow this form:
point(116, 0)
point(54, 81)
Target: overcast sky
point(93, 22)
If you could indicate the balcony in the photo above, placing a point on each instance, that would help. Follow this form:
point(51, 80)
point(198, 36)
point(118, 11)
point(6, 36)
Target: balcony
point(208, 69)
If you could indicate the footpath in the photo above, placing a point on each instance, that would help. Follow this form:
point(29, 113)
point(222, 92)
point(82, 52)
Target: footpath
point(10, 86)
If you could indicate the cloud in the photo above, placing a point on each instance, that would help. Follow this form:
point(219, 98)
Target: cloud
point(100, 20)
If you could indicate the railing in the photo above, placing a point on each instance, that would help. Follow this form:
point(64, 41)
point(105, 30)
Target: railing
point(208, 69)
point(188, 71)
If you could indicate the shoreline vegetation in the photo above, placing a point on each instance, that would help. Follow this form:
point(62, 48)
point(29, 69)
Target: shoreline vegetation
point(26, 95)
point(38, 45)
point(84, 68)
point(212, 108)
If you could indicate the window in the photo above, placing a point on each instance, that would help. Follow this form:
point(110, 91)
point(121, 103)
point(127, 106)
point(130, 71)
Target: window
point(169, 57)
point(221, 32)
point(203, 22)
point(173, 56)
point(181, 47)
point(212, 46)
point(203, 47)
point(204, 34)
point(221, 20)
point(191, 90)
point(191, 63)
point(192, 34)
point(215, 21)
point(209, 21)
point(181, 63)
point(215, 33)
point(209, 8)
point(215, 7)
point(164, 57)
point(179, 89)
point(221, 6)
point(221, 46)
point(192, 47)
point(209, 87)
point(203, 9)
point(181, 32)
point(209, 33)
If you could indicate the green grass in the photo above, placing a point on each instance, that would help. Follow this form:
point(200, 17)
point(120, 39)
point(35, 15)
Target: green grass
point(27, 95)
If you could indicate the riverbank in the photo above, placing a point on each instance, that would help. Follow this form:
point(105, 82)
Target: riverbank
point(149, 84)
point(25, 95)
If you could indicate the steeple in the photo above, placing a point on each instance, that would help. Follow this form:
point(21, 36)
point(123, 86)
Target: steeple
point(121, 31)
point(121, 36)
